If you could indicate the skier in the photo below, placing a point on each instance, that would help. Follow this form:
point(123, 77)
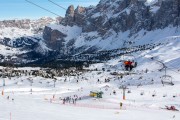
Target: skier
point(114, 92)
point(126, 65)
point(73, 100)
point(130, 65)
point(121, 104)
point(98, 81)
point(64, 100)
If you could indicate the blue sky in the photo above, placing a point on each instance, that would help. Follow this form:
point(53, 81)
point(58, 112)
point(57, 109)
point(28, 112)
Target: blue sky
point(10, 9)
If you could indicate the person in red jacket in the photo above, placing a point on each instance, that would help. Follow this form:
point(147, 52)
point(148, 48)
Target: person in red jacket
point(126, 65)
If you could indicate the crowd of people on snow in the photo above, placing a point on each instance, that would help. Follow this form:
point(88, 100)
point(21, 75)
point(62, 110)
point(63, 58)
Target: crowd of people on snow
point(70, 99)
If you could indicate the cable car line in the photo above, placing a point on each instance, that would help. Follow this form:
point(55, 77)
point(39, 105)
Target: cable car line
point(42, 8)
point(57, 4)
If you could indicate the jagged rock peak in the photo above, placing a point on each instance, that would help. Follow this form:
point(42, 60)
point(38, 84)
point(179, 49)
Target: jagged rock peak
point(124, 15)
point(70, 11)
point(80, 10)
point(74, 16)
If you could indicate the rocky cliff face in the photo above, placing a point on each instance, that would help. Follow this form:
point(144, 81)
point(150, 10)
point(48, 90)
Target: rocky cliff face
point(133, 15)
point(14, 32)
point(23, 24)
point(119, 16)
point(74, 16)
point(25, 37)
point(109, 25)
point(35, 25)
point(54, 38)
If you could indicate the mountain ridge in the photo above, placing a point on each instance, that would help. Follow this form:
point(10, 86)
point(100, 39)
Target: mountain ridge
point(113, 17)
point(112, 24)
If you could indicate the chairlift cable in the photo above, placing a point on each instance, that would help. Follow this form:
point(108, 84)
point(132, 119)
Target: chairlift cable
point(57, 4)
point(42, 8)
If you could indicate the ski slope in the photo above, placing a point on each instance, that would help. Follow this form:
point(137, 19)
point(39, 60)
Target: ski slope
point(43, 101)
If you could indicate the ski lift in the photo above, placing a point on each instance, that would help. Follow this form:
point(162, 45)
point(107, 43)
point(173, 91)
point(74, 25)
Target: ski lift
point(129, 62)
point(166, 79)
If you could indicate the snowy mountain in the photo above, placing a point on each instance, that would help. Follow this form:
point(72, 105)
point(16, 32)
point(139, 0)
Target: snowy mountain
point(106, 36)
point(110, 26)
point(24, 36)
point(25, 27)
point(112, 23)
